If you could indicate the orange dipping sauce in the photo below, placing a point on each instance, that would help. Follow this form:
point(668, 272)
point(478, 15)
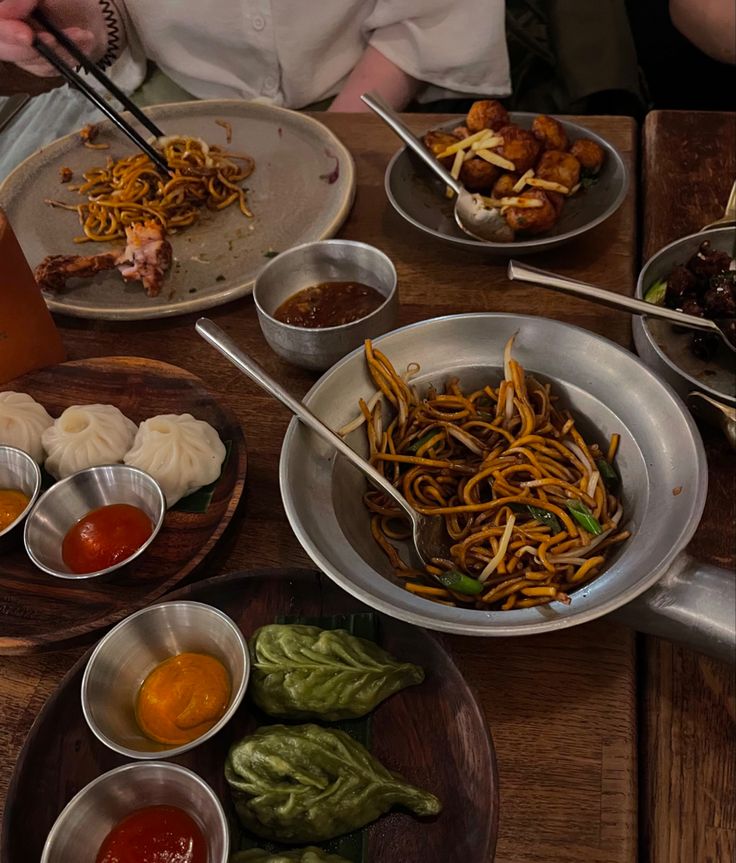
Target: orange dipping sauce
point(182, 698)
point(105, 536)
point(12, 504)
point(156, 834)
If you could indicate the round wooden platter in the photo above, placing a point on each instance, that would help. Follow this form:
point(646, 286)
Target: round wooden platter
point(434, 734)
point(39, 612)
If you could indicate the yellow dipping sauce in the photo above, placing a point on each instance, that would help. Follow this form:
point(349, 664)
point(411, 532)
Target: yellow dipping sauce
point(182, 698)
point(12, 504)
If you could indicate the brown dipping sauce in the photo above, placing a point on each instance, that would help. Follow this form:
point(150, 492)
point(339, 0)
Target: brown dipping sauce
point(329, 304)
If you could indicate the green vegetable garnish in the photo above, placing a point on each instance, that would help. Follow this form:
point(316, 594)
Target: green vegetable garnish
point(455, 580)
point(584, 517)
point(544, 516)
point(655, 293)
point(608, 474)
point(418, 444)
point(484, 406)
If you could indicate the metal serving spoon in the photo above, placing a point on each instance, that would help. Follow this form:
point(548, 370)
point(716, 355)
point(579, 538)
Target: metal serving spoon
point(472, 217)
point(523, 273)
point(715, 413)
point(729, 214)
point(428, 532)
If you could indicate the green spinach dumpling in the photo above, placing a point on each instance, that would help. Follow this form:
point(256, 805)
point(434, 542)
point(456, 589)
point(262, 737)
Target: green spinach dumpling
point(304, 783)
point(303, 672)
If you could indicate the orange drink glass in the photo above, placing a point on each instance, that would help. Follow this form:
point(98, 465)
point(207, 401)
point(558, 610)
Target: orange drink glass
point(28, 337)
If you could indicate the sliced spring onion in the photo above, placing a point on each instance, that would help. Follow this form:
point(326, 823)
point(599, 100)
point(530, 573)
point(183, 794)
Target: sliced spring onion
point(608, 474)
point(655, 293)
point(455, 580)
point(584, 517)
point(418, 444)
point(544, 516)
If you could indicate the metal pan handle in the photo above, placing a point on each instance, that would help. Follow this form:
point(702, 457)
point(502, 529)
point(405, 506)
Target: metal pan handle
point(693, 603)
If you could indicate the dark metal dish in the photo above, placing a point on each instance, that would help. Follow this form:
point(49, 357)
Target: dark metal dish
point(419, 197)
point(667, 350)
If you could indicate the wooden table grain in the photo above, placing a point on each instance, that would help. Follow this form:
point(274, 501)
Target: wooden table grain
point(688, 749)
point(561, 707)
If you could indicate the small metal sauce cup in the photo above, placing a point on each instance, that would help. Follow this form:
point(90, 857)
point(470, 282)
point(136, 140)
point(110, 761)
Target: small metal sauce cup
point(67, 501)
point(18, 471)
point(311, 264)
point(129, 652)
point(90, 815)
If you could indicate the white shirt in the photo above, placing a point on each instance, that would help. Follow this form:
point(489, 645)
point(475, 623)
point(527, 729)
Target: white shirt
point(296, 52)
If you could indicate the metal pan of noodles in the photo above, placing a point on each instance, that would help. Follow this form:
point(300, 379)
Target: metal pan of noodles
point(648, 579)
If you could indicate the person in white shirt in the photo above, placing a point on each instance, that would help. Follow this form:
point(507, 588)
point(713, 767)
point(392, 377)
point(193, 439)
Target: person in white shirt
point(287, 52)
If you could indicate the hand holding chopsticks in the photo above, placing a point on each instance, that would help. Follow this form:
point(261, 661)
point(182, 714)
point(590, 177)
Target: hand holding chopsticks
point(78, 81)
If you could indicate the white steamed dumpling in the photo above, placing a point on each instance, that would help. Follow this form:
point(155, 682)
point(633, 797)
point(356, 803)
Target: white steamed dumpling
point(86, 436)
point(180, 452)
point(22, 422)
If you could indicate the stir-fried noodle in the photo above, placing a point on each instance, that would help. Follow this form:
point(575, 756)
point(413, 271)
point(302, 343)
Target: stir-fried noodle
point(529, 505)
point(132, 189)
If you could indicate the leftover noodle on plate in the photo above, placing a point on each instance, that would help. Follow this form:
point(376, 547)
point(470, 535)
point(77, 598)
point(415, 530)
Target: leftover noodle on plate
point(129, 199)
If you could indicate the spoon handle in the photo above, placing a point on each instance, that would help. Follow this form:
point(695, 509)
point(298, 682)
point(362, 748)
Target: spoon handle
point(524, 273)
point(407, 136)
point(211, 333)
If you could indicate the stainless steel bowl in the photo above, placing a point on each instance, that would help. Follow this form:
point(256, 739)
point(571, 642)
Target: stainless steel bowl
point(18, 471)
point(91, 814)
point(661, 462)
point(310, 264)
point(72, 498)
point(131, 650)
point(665, 349)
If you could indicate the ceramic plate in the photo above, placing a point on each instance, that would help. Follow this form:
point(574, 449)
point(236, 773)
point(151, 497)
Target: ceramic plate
point(301, 190)
point(418, 195)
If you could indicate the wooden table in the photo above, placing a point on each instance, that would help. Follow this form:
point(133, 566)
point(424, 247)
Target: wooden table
point(688, 743)
point(562, 707)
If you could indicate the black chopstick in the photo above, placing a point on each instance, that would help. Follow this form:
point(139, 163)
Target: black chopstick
point(40, 18)
point(94, 97)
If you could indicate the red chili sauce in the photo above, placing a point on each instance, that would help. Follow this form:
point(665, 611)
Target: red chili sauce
point(329, 304)
point(105, 536)
point(156, 834)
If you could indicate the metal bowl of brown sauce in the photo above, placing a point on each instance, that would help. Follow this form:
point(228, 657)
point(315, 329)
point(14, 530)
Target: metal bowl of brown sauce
point(319, 301)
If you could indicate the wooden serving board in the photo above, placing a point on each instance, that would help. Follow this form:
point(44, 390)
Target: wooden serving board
point(434, 734)
point(39, 612)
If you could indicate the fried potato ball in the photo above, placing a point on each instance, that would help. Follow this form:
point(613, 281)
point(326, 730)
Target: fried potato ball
point(590, 155)
point(477, 175)
point(549, 132)
point(558, 167)
point(504, 186)
point(520, 147)
point(557, 200)
point(530, 220)
point(436, 142)
point(486, 114)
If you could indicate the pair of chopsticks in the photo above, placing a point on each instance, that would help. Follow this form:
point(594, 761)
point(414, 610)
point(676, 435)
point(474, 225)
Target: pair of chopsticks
point(77, 81)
